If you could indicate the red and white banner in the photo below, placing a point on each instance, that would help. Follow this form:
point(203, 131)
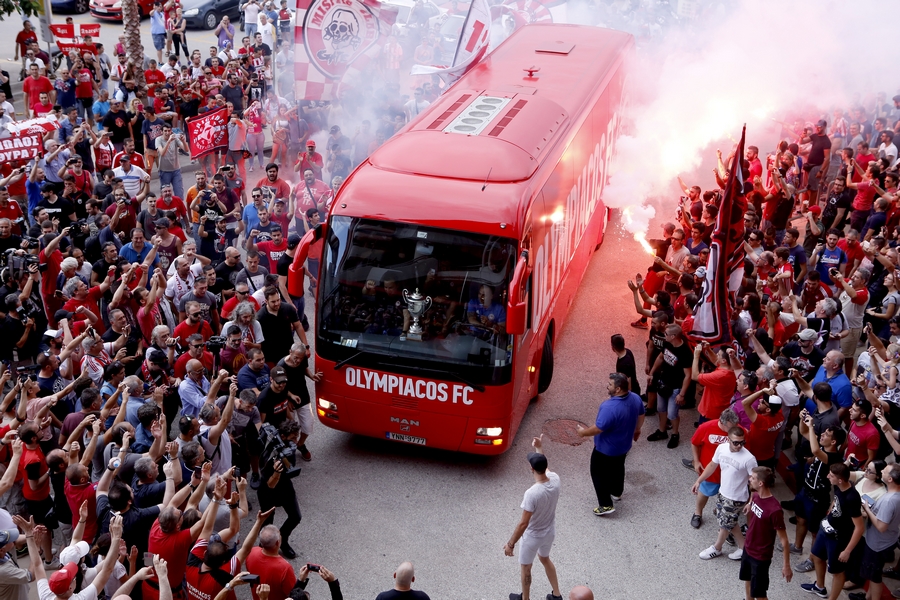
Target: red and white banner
point(63, 30)
point(67, 46)
point(334, 39)
point(91, 29)
point(725, 267)
point(471, 48)
point(208, 132)
point(26, 138)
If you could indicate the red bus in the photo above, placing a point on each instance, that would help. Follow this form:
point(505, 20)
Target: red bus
point(489, 206)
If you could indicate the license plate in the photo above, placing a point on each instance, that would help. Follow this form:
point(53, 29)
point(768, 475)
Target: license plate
point(409, 439)
point(99, 9)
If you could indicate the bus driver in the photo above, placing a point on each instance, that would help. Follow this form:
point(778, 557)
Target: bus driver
point(486, 313)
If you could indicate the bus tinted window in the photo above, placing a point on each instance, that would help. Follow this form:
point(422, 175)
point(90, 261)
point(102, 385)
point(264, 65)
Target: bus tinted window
point(370, 267)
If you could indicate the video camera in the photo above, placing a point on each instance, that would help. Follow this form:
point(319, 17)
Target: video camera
point(28, 371)
point(18, 265)
point(215, 343)
point(274, 448)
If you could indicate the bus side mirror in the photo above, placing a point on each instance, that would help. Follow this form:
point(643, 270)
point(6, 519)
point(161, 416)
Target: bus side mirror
point(516, 316)
point(296, 270)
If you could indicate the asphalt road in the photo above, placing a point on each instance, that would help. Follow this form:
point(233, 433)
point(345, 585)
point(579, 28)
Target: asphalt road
point(369, 505)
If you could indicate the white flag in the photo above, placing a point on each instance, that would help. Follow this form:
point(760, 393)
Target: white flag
point(471, 48)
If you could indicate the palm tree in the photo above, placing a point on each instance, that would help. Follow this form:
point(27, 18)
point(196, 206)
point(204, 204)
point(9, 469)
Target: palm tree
point(131, 19)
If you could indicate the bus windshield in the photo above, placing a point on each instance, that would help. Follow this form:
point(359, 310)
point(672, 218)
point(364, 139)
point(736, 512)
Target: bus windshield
point(370, 269)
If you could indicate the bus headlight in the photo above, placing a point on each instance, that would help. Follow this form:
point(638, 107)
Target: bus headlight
point(323, 403)
point(488, 431)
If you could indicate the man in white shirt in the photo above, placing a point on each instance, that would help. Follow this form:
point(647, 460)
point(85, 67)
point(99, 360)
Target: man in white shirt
point(416, 105)
point(537, 528)
point(737, 464)
point(887, 148)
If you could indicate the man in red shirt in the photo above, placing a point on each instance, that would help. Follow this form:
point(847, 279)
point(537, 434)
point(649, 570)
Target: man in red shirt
point(195, 345)
point(207, 557)
point(718, 386)
point(24, 38)
point(10, 210)
point(125, 210)
point(241, 294)
point(852, 248)
point(172, 543)
point(80, 295)
point(756, 169)
point(767, 421)
point(52, 258)
point(310, 160)
point(193, 323)
point(863, 439)
point(78, 485)
point(309, 193)
point(765, 520)
point(34, 471)
point(703, 445)
point(273, 186)
point(154, 77)
point(865, 195)
point(34, 85)
point(863, 157)
point(273, 569)
point(271, 250)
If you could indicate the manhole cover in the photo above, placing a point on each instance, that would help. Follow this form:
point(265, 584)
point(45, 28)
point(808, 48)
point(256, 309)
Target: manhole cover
point(564, 431)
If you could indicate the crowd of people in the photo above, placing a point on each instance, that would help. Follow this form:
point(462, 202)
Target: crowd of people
point(815, 349)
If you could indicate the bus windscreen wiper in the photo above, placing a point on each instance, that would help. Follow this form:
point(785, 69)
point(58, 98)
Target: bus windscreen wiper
point(453, 374)
point(344, 361)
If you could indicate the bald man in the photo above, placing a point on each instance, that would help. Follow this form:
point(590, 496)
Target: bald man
point(581, 592)
point(404, 577)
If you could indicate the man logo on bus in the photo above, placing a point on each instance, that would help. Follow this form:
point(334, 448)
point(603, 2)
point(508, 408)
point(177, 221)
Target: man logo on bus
point(335, 34)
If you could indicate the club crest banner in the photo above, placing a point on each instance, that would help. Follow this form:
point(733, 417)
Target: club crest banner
point(208, 132)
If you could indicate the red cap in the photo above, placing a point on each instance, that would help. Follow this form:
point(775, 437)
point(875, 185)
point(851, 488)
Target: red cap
point(816, 210)
point(310, 143)
point(62, 579)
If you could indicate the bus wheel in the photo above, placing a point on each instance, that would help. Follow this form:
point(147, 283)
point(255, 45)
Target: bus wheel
point(546, 374)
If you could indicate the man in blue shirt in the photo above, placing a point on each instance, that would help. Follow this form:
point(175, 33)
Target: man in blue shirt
point(618, 425)
point(832, 373)
point(137, 250)
point(829, 256)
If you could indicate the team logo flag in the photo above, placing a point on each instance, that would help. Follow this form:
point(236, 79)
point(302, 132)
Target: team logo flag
point(471, 48)
point(208, 132)
point(725, 268)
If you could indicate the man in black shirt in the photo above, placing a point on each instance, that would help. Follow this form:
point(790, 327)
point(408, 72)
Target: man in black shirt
point(117, 123)
point(7, 238)
point(625, 363)
point(55, 206)
point(227, 270)
point(816, 165)
point(234, 93)
point(266, 51)
point(279, 321)
point(837, 205)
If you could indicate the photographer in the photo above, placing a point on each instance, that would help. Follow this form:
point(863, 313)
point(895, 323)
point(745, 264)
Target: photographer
point(277, 488)
point(25, 321)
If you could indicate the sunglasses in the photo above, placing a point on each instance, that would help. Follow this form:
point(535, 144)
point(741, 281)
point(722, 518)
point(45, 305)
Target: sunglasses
point(738, 442)
point(196, 345)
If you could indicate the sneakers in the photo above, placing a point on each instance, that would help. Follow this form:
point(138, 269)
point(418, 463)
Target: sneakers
point(515, 596)
point(805, 567)
point(255, 480)
point(710, 552)
point(814, 589)
point(696, 520)
point(737, 554)
point(673, 441)
point(604, 510)
point(687, 463)
point(52, 565)
point(657, 436)
point(304, 453)
point(793, 549)
point(641, 324)
point(550, 596)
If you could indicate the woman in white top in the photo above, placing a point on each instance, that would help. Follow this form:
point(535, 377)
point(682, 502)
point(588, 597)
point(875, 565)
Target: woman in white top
point(869, 482)
point(880, 318)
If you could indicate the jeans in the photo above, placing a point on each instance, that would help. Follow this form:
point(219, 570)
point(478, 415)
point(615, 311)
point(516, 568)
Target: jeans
point(250, 30)
point(608, 476)
point(282, 495)
point(174, 178)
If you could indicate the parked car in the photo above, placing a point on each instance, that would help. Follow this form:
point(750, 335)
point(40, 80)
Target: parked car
point(206, 14)
point(69, 6)
point(111, 10)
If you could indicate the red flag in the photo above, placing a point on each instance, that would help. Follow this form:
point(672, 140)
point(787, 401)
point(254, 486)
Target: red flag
point(208, 132)
point(63, 30)
point(91, 29)
point(334, 39)
point(24, 140)
point(725, 267)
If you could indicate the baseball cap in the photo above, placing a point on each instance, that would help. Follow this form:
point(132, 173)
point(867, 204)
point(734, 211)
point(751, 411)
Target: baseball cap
point(808, 335)
point(815, 209)
point(8, 535)
point(74, 553)
point(278, 375)
point(279, 201)
point(821, 123)
point(162, 222)
point(155, 355)
point(538, 461)
point(774, 400)
point(53, 333)
point(62, 314)
point(293, 240)
point(62, 579)
point(334, 129)
point(125, 157)
point(310, 143)
point(219, 218)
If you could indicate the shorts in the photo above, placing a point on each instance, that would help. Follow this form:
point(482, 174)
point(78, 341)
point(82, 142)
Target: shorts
point(235, 156)
point(43, 511)
point(873, 563)
point(86, 103)
point(812, 183)
point(810, 510)
point(305, 418)
point(828, 548)
point(668, 404)
point(159, 41)
point(729, 511)
point(757, 573)
point(532, 545)
point(848, 344)
point(709, 489)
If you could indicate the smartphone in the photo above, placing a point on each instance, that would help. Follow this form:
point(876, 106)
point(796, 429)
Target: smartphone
point(250, 578)
point(148, 559)
point(237, 473)
point(868, 500)
point(313, 568)
point(198, 471)
point(854, 462)
point(140, 108)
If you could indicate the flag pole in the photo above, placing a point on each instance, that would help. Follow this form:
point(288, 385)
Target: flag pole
point(461, 31)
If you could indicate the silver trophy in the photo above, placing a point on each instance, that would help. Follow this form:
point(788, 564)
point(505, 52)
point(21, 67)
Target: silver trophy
point(418, 305)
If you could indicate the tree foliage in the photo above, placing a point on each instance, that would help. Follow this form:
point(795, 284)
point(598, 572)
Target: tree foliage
point(29, 8)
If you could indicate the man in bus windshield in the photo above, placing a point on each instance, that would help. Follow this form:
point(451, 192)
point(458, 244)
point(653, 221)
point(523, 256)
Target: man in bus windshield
point(484, 312)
